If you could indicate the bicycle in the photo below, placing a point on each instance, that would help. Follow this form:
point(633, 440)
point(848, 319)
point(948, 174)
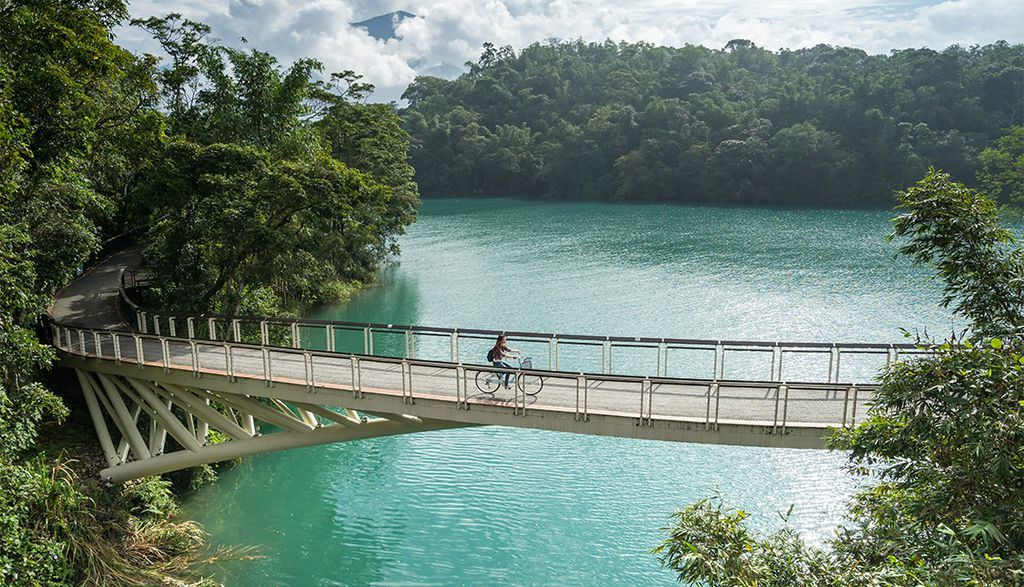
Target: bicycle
point(490, 381)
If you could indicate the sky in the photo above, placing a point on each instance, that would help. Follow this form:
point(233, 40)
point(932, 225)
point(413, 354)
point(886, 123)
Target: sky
point(452, 31)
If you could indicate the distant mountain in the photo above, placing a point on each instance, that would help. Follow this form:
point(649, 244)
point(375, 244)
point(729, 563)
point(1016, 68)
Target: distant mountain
point(444, 70)
point(383, 27)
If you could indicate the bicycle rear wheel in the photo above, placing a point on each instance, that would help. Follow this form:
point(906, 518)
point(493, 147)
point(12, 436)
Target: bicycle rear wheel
point(487, 382)
point(530, 384)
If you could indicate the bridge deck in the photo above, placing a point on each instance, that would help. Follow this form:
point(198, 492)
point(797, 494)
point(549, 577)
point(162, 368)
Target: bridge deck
point(757, 404)
point(167, 384)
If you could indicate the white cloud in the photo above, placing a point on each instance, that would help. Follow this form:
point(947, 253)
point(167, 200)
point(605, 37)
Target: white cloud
point(452, 31)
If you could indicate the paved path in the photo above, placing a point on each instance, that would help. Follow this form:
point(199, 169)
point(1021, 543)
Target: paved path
point(90, 300)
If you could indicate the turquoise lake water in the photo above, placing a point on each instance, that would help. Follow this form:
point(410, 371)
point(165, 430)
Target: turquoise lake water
point(488, 506)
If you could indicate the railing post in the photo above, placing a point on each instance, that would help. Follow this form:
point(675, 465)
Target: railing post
point(403, 365)
point(462, 401)
point(839, 356)
point(295, 336)
point(718, 397)
point(846, 405)
point(366, 340)
point(458, 355)
point(707, 413)
point(407, 349)
point(853, 415)
point(785, 405)
point(165, 355)
point(139, 354)
point(307, 360)
point(777, 351)
point(156, 324)
point(195, 356)
point(270, 369)
point(451, 347)
point(236, 329)
point(644, 384)
point(357, 376)
point(264, 333)
point(586, 389)
point(97, 347)
point(211, 329)
point(581, 382)
point(172, 326)
point(720, 360)
point(330, 337)
point(117, 348)
point(521, 393)
point(775, 418)
point(142, 322)
point(81, 343)
point(411, 400)
point(229, 362)
point(650, 401)
point(831, 361)
point(190, 326)
point(266, 365)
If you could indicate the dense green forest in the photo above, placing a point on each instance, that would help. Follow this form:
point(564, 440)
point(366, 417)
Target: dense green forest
point(636, 122)
point(253, 187)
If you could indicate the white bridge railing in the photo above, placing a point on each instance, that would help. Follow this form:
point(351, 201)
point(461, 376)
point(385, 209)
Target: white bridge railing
point(620, 355)
point(772, 405)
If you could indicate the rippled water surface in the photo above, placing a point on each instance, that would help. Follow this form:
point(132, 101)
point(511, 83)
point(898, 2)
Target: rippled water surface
point(511, 506)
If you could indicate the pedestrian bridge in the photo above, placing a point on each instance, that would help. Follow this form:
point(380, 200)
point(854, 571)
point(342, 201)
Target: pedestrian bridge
point(157, 387)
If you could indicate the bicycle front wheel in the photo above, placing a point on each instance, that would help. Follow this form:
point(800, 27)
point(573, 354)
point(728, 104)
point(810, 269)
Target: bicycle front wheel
point(530, 384)
point(487, 382)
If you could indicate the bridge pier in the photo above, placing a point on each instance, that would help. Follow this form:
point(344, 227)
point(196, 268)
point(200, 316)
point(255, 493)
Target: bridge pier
point(168, 407)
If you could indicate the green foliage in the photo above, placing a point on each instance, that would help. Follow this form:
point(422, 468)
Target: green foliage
point(55, 534)
point(942, 451)
point(277, 190)
point(709, 544)
point(944, 441)
point(78, 131)
point(957, 230)
point(236, 221)
point(1002, 166)
point(824, 125)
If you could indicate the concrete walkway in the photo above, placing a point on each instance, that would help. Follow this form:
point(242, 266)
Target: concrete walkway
point(90, 300)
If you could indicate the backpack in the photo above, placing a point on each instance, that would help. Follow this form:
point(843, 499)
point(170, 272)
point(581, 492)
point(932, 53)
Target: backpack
point(490, 355)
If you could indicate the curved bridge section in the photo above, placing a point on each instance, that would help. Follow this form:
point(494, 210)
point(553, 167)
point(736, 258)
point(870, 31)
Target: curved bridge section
point(161, 390)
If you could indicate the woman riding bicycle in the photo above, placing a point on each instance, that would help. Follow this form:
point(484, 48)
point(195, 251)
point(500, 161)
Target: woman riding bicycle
point(498, 353)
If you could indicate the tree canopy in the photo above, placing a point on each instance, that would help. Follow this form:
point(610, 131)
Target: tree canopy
point(637, 122)
point(252, 185)
point(276, 188)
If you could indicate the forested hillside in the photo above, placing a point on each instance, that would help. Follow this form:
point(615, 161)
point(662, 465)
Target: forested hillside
point(253, 186)
point(821, 126)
